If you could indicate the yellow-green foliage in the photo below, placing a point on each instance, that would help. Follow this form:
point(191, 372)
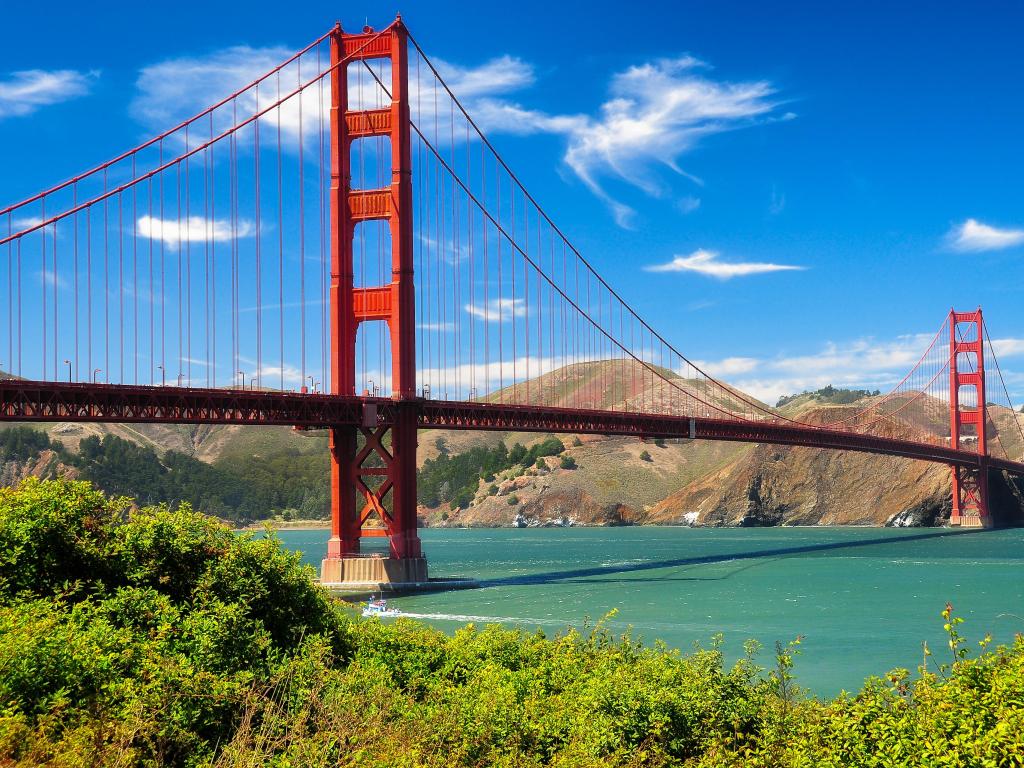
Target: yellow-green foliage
point(153, 638)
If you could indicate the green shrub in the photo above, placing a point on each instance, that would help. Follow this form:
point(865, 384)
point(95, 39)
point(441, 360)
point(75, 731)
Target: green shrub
point(567, 462)
point(645, 456)
point(512, 500)
point(161, 638)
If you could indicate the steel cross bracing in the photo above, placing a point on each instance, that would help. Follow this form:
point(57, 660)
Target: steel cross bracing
point(338, 246)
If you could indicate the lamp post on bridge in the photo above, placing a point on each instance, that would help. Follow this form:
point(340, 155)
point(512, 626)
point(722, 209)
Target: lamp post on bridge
point(94, 372)
point(180, 377)
point(163, 376)
point(68, 364)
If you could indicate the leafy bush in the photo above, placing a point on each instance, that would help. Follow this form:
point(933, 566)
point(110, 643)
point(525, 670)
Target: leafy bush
point(567, 462)
point(146, 622)
point(645, 456)
point(158, 638)
point(512, 500)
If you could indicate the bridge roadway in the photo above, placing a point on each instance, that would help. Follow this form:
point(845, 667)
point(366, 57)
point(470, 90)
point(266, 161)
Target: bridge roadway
point(34, 401)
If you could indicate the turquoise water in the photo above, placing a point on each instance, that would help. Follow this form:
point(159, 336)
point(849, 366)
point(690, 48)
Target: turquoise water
point(863, 598)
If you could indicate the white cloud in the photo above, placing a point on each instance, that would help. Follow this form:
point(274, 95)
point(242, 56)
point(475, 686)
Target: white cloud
point(503, 74)
point(688, 204)
point(972, 235)
point(24, 92)
point(194, 229)
point(1008, 347)
point(863, 363)
point(706, 263)
point(498, 310)
point(176, 89)
point(655, 113)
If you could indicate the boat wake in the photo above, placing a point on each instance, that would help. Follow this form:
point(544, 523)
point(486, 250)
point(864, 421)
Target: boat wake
point(468, 618)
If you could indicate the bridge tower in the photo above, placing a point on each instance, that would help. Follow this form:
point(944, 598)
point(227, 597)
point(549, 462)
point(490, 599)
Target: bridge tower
point(380, 471)
point(967, 409)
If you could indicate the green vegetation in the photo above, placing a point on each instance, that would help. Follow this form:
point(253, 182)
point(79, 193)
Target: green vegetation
point(831, 396)
point(454, 480)
point(160, 638)
point(645, 456)
point(287, 482)
point(566, 461)
point(20, 443)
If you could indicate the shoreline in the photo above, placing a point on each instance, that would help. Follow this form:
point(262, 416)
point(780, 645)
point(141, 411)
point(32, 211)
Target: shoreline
point(325, 525)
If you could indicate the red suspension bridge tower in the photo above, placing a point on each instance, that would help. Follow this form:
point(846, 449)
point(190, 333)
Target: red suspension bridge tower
point(379, 472)
point(967, 408)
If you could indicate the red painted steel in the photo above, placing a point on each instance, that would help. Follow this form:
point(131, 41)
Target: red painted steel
point(970, 483)
point(33, 401)
point(388, 491)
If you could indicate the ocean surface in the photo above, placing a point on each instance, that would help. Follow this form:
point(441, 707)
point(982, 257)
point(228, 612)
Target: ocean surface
point(863, 599)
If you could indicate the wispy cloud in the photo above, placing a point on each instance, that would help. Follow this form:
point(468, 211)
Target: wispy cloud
point(194, 229)
point(25, 91)
point(973, 236)
point(707, 263)
point(688, 204)
point(498, 310)
point(654, 114)
point(175, 89)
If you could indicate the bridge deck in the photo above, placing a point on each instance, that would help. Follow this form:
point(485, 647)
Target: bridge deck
point(32, 401)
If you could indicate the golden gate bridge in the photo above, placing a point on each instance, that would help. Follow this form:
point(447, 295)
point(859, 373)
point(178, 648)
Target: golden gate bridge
point(337, 245)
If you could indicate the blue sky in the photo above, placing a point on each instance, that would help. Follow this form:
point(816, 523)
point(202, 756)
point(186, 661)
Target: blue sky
point(815, 186)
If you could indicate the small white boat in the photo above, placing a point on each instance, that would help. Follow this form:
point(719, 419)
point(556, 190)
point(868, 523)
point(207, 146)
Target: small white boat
point(380, 609)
